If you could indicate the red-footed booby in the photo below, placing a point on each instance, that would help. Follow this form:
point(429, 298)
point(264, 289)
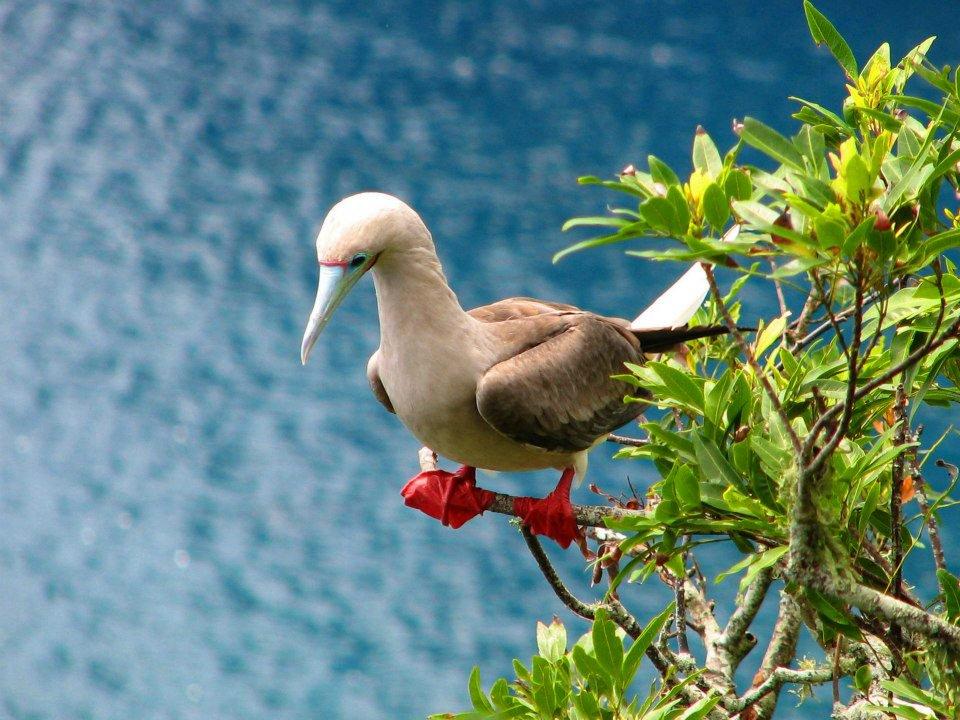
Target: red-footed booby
point(520, 384)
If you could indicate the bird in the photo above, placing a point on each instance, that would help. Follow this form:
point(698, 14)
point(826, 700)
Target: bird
point(517, 385)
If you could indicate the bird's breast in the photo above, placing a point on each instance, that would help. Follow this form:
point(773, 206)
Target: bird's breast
point(434, 395)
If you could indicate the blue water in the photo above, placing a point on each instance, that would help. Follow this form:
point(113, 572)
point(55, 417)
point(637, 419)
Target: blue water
point(194, 526)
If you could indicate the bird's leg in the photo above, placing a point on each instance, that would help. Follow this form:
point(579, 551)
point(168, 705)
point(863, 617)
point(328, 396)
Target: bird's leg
point(452, 498)
point(553, 515)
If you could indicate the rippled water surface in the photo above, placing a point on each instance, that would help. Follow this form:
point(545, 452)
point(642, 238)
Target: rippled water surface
point(194, 526)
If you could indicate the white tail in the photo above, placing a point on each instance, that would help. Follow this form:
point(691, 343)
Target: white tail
point(680, 301)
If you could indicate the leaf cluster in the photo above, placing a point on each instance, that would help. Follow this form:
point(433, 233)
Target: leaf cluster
point(801, 445)
point(590, 681)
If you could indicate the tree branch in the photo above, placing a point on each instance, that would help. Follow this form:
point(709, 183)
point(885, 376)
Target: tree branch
point(618, 613)
point(781, 676)
point(780, 652)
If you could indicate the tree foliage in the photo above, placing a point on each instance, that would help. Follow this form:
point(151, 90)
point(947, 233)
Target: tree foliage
point(800, 445)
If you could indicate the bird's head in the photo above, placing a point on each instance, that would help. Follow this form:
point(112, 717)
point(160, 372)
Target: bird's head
point(357, 232)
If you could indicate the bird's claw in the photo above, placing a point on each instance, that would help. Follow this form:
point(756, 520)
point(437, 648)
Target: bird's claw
point(551, 516)
point(452, 498)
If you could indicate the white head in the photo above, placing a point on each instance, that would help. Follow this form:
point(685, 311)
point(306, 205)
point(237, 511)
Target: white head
point(358, 231)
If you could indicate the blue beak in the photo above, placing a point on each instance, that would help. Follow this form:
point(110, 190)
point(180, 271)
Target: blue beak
point(335, 283)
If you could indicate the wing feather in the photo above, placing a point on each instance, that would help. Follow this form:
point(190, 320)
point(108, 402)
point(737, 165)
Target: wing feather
point(557, 393)
point(376, 384)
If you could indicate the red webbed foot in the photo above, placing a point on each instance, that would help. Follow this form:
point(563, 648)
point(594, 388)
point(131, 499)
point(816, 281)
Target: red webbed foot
point(452, 498)
point(553, 515)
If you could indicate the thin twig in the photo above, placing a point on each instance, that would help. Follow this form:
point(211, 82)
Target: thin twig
point(553, 579)
point(680, 616)
point(838, 317)
point(781, 676)
point(746, 611)
point(853, 354)
point(799, 326)
point(618, 613)
point(594, 516)
point(778, 286)
point(629, 441)
point(896, 494)
point(827, 303)
point(916, 356)
point(933, 527)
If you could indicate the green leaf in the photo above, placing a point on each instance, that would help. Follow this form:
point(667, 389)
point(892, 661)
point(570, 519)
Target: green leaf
point(937, 245)
point(831, 230)
point(679, 386)
point(737, 185)
point(661, 172)
point(770, 334)
point(835, 120)
point(902, 688)
point(660, 213)
point(764, 560)
point(587, 664)
point(687, 488)
point(477, 697)
point(706, 158)
point(701, 708)
point(716, 207)
point(714, 464)
point(617, 185)
point(735, 568)
point(682, 211)
point(811, 145)
point(770, 142)
point(774, 458)
point(946, 164)
point(951, 594)
point(602, 220)
point(855, 239)
point(631, 660)
point(795, 267)
point(607, 645)
point(824, 32)
point(833, 615)
point(858, 180)
point(630, 231)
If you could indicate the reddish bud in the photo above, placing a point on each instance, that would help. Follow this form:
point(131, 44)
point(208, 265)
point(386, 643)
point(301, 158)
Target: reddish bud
point(783, 221)
point(883, 222)
point(629, 170)
point(737, 126)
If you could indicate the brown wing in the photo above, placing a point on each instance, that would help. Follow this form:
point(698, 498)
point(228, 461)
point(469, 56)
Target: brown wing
point(518, 307)
point(373, 376)
point(555, 391)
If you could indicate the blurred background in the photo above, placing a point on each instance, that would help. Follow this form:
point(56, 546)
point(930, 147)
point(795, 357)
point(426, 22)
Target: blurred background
point(195, 526)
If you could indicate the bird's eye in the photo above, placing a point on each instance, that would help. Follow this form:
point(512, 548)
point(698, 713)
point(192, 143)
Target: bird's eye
point(358, 260)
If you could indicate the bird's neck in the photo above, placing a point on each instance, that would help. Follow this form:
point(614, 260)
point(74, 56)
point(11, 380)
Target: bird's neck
point(414, 299)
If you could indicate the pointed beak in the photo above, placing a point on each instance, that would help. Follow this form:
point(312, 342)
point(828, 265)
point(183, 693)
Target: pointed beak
point(335, 282)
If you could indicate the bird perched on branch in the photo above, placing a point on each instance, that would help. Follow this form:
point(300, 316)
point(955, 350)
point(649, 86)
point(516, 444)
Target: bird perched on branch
point(520, 384)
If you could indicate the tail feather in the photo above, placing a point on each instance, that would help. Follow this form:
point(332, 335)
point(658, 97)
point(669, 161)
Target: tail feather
point(677, 304)
point(662, 339)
